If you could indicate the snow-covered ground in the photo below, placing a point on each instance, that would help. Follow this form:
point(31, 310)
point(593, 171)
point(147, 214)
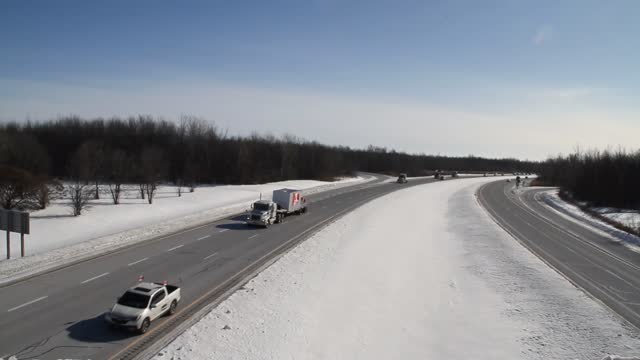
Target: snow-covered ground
point(574, 213)
point(422, 273)
point(628, 218)
point(57, 237)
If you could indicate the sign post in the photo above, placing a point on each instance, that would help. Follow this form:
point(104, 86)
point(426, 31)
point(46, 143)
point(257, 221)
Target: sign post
point(14, 221)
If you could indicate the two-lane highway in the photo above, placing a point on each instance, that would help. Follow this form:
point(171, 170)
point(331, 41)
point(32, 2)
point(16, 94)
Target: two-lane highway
point(60, 314)
point(601, 266)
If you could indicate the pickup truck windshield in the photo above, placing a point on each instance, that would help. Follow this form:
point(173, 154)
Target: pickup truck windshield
point(134, 300)
point(260, 206)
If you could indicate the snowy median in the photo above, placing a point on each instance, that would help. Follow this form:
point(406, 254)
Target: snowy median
point(422, 273)
point(57, 238)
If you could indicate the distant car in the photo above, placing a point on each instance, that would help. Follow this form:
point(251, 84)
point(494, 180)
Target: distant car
point(441, 177)
point(142, 304)
point(402, 178)
point(454, 174)
point(508, 180)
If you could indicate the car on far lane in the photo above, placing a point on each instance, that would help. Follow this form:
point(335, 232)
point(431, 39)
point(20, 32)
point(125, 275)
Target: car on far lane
point(402, 179)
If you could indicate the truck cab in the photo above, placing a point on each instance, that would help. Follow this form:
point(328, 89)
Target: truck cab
point(263, 213)
point(143, 303)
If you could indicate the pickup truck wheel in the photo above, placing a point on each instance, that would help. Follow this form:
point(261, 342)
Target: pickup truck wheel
point(145, 326)
point(172, 308)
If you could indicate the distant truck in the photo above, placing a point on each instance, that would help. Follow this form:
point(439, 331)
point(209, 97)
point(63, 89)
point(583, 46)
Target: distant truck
point(142, 304)
point(284, 202)
point(402, 179)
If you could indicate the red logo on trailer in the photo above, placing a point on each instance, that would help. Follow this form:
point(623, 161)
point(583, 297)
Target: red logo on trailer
point(296, 197)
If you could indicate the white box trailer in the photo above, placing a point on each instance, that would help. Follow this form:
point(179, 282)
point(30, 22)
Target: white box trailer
point(289, 200)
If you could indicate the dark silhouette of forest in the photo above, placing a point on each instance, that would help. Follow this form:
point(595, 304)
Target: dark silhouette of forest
point(601, 178)
point(36, 156)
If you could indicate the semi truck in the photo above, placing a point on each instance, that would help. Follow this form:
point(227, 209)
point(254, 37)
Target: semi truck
point(283, 203)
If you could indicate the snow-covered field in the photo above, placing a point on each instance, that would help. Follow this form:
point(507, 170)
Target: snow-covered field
point(577, 215)
point(57, 237)
point(422, 273)
point(628, 218)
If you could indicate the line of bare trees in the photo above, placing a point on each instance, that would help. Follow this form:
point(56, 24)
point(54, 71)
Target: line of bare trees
point(601, 178)
point(86, 154)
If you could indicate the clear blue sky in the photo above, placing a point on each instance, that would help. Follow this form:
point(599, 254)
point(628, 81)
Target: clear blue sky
point(496, 78)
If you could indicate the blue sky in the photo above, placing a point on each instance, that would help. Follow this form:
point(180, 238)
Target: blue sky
point(494, 78)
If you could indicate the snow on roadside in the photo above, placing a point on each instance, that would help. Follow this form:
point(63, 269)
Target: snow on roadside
point(575, 214)
point(437, 280)
point(58, 238)
point(628, 218)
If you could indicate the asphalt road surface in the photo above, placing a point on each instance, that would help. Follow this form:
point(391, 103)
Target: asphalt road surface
point(603, 267)
point(59, 315)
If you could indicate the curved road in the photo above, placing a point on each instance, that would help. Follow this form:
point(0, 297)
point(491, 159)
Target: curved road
point(604, 268)
point(59, 315)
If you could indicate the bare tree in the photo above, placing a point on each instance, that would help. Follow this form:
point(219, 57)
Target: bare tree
point(79, 195)
point(46, 191)
point(179, 189)
point(118, 165)
point(141, 188)
point(93, 162)
point(153, 169)
point(18, 188)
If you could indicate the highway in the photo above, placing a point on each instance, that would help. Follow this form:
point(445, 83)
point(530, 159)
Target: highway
point(604, 268)
point(59, 315)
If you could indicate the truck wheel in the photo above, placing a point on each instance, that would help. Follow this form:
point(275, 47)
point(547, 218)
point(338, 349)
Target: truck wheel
point(173, 307)
point(145, 326)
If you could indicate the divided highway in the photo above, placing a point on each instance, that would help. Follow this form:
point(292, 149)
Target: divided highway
point(59, 315)
point(604, 268)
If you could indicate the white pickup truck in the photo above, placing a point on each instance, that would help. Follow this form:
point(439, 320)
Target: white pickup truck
point(142, 304)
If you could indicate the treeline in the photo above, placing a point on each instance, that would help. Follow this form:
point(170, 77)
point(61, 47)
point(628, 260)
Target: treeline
point(146, 151)
point(601, 178)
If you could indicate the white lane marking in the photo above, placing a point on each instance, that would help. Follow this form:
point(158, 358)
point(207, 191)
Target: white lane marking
point(27, 303)
point(176, 247)
point(223, 230)
point(137, 262)
point(95, 277)
point(252, 236)
point(210, 256)
point(204, 237)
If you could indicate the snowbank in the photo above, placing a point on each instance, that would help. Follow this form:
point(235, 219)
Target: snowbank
point(437, 280)
point(628, 218)
point(58, 238)
point(576, 214)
